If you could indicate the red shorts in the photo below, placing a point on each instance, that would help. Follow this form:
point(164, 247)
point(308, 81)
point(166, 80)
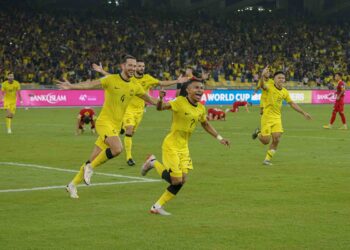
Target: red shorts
point(338, 107)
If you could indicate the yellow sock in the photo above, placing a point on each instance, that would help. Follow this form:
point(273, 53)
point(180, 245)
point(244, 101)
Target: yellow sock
point(270, 154)
point(159, 167)
point(101, 158)
point(78, 178)
point(8, 123)
point(166, 196)
point(128, 145)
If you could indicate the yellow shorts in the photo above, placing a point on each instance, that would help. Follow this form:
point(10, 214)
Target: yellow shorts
point(132, 119)
point(10, 106)
point(105, 130)
point(270, 125)
point(178, 162)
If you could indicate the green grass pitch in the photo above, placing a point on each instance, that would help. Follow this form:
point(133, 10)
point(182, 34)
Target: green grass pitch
point(231, 201)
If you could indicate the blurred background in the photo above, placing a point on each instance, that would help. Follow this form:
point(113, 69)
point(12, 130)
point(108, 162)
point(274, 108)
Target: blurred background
point(43, 40)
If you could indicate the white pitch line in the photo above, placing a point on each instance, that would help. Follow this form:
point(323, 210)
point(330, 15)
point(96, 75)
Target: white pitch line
point(72, 171)
point(62, 187)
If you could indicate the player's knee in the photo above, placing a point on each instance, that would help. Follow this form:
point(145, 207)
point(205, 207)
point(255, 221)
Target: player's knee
point(176, 181)
point(174, 189)
point(116, 150)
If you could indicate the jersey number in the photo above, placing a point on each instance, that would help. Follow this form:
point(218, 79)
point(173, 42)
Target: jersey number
point(193, 121)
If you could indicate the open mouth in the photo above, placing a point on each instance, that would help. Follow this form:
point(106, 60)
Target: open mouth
point(199, 95)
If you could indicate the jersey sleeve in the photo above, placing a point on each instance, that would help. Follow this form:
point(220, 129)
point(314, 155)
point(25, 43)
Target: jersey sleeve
point(175, 106)
point(287, 97)
point(203, 116)
point(106, 81)
point(139, 91)
point(153, 81)
point(82, 112)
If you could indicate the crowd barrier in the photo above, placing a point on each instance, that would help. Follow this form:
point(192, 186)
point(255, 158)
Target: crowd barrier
point(61, 98)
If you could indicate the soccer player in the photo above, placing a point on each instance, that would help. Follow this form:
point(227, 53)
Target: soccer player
point(271, 124)
point(215, 114)
point(85, 116)
point(135, 110)
point(10, 90)
point(119, 90)
point(339, 103)
point(187, 111)
point(265, 79)
point(238, 104)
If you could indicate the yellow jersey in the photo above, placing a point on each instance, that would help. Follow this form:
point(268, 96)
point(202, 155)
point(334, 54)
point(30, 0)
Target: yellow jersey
point(147, 82)
point(185, 118)
point(273, 101)
point(118, 94)
point(268, 84)
point(10, 90)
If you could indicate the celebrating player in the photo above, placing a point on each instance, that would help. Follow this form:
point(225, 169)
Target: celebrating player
point(271, 124)
point(85, 116)
point(134, 112)
point(187, 111)
point(215, 114)
point(10, 89)
point(119, 90)
point(339, 103)
point(267, 81)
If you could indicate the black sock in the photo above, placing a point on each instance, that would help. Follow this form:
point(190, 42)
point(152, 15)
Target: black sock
point(174, 189)
point(166, 176)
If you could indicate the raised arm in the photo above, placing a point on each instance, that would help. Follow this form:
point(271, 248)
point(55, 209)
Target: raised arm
point(265, 74)
point(297, 108)
point(160, 104)
point(149, 99)
point(82, 85)
point(211, 130)
point(181, 79)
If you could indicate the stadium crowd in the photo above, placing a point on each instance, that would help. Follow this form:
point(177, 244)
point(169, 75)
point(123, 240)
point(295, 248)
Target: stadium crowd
point(39, 47)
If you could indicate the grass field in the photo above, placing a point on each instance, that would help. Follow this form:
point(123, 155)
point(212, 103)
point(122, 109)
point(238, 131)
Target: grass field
point(231, 201)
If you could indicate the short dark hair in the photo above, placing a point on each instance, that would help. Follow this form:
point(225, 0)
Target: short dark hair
point(183, 90)
point(140, 60)
point(126, 57)
point(278, 72)
point(339, 74)
point(86, 119)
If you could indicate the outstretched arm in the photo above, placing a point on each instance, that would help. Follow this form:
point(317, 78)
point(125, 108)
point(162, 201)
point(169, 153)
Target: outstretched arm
point(297, 108)
point(99, 69)
point(82, 85)
point(181, 80)
point(149, 99)
point(211, 130)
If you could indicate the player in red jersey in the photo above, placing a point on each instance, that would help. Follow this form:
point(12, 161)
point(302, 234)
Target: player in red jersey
point(216, 114)
point(339, 103)
point(237, 104)
point(86, 116)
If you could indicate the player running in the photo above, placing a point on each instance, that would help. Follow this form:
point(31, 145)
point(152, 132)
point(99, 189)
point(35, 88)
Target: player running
point(135, 110)
point(119, 90)
point(339, 103)
point(271, 123)
point(187, 111)
point(10, 90)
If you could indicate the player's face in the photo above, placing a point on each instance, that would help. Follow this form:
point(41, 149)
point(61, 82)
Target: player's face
point(195, 91)
point(280, 80)
point(10, 77)
point(129, 67)
point(140, 68)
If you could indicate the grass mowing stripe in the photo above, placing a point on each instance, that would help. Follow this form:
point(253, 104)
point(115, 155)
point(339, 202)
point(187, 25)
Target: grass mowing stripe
point(73, 171)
